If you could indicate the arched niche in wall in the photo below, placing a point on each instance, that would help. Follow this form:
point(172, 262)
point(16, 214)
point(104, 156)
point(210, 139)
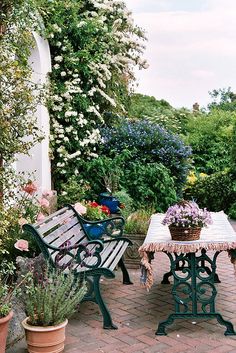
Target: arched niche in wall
point(38, 161)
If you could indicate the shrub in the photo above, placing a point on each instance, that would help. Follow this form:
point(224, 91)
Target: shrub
point(72, 191)
point(94, 47)
point(20, 205)
point(159, 112)
point(233, 151)
point(104, 173)
point(216, 192)
point(149, 143)
point(232, 211)
point(210, 136)
point(150, 185)
point(126, 201)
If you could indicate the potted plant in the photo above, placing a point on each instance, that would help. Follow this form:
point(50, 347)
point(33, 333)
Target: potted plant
point(8, 288)
point(136, 227)
point(185, 220)
point(51, 298)
point(93, 212)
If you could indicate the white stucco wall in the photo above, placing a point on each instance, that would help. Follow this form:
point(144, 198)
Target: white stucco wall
point(39, 161)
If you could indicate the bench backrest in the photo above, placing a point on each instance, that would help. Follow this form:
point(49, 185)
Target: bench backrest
point(61, 229)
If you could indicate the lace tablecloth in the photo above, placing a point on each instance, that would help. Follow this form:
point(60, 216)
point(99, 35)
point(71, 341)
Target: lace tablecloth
point(219, 236)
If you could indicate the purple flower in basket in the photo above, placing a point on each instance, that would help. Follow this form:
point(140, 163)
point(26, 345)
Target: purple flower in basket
point(187, 214)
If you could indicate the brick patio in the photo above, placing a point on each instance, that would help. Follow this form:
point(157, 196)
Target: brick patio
point(137, 314)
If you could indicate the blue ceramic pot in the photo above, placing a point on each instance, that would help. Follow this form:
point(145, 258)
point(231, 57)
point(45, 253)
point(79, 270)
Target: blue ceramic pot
point(111, 202)
point(94, 231)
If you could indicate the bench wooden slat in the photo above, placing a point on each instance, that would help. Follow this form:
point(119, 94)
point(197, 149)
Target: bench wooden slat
point(60, 232)
point(76, 232)
point(111, 255)
point(48, 218)
point(118, 256)
point(56, 221)
point(108, 248)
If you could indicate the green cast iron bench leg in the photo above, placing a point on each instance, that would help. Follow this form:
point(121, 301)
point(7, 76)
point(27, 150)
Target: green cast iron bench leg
point(126, 278)
point(94, 294)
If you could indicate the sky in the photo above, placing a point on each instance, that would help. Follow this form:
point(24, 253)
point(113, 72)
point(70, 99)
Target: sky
point(191, 48)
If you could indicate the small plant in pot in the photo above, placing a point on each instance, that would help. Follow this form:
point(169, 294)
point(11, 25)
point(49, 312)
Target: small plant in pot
point(92, 212)
point(185, 220)
point(138, 221)
point(136, 229)
point(51, 298)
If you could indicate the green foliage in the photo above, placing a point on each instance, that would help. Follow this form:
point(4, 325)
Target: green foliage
point(18, 207)
point(223, 99)
point(210, 136)
point(19, 131)
point(146, 183)
point(138, 221)
point(215, 192)
point(6, 270)
point(53, 297)
point(104, 172)
point(126, 201)
point(18, 100)
point(8, 288)
point(150, 185)
point(233, 151)
point(159, 112)
point(142, 106)
point(232, 211)
point(72, 191)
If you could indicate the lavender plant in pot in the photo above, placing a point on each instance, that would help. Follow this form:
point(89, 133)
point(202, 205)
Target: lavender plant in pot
point(51, 298)
point(185, 220)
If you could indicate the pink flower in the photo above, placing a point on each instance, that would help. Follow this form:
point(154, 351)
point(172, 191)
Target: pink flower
point(30, 188)
point(40, 217)
point(44, 202)
point(81, 209)
point(48, 193)
point(22, 245)
point(22, 221)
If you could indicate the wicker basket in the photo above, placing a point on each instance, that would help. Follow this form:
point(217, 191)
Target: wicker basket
point(184, 234)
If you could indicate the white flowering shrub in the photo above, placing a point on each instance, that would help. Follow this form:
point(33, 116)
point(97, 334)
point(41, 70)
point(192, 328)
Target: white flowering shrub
point(94, 47)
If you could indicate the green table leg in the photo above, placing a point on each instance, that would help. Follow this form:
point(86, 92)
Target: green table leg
point(193, 290)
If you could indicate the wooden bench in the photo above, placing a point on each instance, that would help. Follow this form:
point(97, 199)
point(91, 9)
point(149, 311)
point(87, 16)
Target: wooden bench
point(65, 240)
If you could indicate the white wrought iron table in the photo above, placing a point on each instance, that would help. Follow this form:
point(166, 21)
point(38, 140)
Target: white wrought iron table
point(193, 270)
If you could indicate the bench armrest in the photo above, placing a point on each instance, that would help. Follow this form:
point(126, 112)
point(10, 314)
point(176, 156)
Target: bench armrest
point(110, 228)
point(67, 247)
point(83, 252)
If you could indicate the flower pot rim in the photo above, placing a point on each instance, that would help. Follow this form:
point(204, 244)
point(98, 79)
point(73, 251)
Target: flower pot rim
point(6, 318)
point(43, 328)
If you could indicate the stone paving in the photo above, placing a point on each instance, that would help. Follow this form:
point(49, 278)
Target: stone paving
point(137, 313)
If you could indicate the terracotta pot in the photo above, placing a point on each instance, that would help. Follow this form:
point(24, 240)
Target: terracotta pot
point(48, 339)
point(3, 331)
